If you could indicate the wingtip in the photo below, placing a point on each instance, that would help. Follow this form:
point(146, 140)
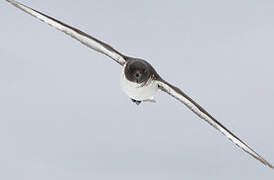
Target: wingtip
point(269, 165)
point(12, 1)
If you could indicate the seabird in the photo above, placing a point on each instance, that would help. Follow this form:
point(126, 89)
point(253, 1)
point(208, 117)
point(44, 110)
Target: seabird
point(139, 80)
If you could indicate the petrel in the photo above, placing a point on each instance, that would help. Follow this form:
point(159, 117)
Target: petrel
point(139, 80)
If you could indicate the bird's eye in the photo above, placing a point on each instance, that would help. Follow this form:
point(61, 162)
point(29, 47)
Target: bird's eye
point(131, 70)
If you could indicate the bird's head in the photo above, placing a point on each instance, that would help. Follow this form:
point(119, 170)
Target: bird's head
point(138, 71)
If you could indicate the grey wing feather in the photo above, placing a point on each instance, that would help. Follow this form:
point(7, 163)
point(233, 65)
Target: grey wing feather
point(84, 38)
point(203, 114)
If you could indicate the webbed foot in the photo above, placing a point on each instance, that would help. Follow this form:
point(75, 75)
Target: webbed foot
point(136, 102)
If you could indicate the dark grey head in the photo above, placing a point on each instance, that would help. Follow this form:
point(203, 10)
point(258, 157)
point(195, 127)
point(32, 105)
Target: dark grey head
point(138, 71)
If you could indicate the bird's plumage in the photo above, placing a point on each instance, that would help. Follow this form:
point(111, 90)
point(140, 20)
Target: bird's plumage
point(143, 91)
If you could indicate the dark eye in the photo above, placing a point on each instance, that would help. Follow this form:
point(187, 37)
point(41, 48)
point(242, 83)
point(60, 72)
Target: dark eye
point(131, 70)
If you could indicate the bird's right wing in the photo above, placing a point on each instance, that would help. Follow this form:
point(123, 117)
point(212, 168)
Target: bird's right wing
point(83, 37)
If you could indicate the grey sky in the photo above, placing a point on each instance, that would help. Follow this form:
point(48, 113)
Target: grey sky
point(60, 120)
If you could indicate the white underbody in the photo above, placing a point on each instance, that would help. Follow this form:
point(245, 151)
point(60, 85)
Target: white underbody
point(137, 91)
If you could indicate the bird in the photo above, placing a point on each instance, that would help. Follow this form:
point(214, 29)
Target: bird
point(139, 80)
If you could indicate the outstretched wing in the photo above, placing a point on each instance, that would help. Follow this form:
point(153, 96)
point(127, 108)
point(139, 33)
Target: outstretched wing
point(84, 38)
point(198, 110)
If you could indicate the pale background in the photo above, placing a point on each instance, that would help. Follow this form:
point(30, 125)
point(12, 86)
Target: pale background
point(61, 120)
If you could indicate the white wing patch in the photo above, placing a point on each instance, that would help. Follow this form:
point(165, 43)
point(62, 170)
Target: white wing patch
point(198, 110)
point(84, 38)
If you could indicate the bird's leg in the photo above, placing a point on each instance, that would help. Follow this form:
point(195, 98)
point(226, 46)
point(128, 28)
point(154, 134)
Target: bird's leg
point(136, 102)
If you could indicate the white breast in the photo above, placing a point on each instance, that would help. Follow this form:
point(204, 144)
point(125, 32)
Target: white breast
point(137, 91)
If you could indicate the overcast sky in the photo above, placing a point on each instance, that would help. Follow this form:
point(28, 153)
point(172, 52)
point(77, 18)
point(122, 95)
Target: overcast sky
point(61, 120)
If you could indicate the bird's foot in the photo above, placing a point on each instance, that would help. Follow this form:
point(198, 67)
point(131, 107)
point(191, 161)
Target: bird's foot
point(136, 102)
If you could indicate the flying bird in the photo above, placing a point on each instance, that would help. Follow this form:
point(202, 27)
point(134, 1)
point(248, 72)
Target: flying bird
point(139, 80)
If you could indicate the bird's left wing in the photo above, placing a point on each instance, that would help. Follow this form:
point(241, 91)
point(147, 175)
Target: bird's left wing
point(83, 37)
point(198, 110)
